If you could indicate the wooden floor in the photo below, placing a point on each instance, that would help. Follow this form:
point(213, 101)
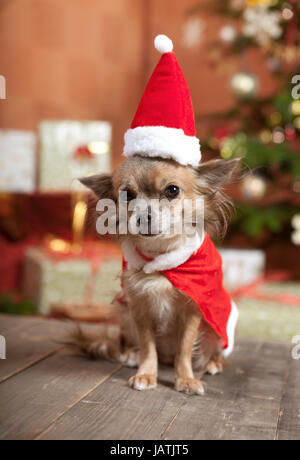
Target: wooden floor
point(45, 394)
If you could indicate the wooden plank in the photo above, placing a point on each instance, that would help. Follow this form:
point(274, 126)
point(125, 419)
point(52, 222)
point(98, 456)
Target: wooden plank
point(243, 403)
point(13, 322)
point(28, 341)
point(33, 399)
point(115, 411)
point(65, 397)
point(289, 416)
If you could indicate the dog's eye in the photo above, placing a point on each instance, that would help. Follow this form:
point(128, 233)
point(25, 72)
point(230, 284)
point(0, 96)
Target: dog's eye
point(172, 191)
point(126, 195)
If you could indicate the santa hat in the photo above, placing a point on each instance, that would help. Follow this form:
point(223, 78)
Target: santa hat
point(164, 124)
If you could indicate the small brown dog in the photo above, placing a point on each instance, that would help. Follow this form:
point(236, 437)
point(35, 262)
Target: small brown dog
point(174, 308)
point(158, 321)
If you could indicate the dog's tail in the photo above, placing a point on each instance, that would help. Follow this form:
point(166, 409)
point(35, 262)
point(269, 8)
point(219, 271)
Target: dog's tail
point(101, 341)
point(105, 343)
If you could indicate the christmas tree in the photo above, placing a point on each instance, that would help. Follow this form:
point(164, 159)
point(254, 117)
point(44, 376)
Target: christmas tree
point(263, 131)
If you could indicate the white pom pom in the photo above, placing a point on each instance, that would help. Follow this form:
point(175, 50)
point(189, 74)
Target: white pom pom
point(163, 44)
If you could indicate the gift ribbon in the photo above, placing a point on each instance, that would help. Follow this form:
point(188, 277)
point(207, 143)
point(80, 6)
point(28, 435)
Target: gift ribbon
point(250, 290)
point(91, 251)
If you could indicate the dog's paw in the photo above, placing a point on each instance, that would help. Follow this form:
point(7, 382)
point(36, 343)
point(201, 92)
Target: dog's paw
point(189, 386)
point(214, 367)
point(130, 358)
point(143, 382)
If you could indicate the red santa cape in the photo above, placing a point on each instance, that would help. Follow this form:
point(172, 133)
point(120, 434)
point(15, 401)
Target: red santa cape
point(200, 277)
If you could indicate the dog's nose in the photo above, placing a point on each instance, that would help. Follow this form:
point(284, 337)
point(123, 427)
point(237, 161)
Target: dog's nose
point(146, 219)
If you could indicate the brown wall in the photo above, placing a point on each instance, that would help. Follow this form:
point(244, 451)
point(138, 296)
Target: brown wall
point(86, 59)
point(77, 59)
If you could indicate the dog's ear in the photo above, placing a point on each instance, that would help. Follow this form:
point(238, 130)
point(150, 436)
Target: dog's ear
point(101, 185)
point(215, 174)
point(211, 178)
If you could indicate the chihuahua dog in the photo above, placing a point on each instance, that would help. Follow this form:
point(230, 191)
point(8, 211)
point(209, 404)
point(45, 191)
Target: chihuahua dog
point(158, 321)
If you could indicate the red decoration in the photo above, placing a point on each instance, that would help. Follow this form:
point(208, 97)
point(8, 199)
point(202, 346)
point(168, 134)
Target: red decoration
point(83, 152)
point(201, 279)
point(290, 133)
point(222, 132)
point(250, 290)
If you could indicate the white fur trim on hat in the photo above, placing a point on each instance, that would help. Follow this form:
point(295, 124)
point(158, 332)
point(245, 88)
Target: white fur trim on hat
point(159, 141)
point(163, 44)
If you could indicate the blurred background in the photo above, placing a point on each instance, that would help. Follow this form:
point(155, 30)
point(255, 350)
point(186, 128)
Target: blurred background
point(71, 76)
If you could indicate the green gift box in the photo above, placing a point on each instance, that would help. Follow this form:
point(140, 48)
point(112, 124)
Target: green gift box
point(271, 318)
point(86, 280)
point(59, 166)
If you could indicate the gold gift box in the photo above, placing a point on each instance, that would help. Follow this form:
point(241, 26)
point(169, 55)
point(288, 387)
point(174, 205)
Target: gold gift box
point(78, 284)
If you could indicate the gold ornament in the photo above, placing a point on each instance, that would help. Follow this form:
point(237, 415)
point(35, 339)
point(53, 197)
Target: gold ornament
point(254, 187)
point(244, 85)
point(255, 3)
point(295, 107)
point(266, 136)
point(297, 123)
point(275, 119)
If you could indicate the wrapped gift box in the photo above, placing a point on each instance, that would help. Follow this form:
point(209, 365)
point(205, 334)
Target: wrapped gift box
point(242, 266)
point(272, 314)
point(17, 161)
point(75, 284)
point(60, 165)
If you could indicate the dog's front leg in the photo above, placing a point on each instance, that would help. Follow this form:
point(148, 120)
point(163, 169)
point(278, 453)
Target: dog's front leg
point(187, 331)
point(146, 376)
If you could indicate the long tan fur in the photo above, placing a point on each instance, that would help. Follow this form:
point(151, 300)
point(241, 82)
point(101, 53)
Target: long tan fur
point(159, 323)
